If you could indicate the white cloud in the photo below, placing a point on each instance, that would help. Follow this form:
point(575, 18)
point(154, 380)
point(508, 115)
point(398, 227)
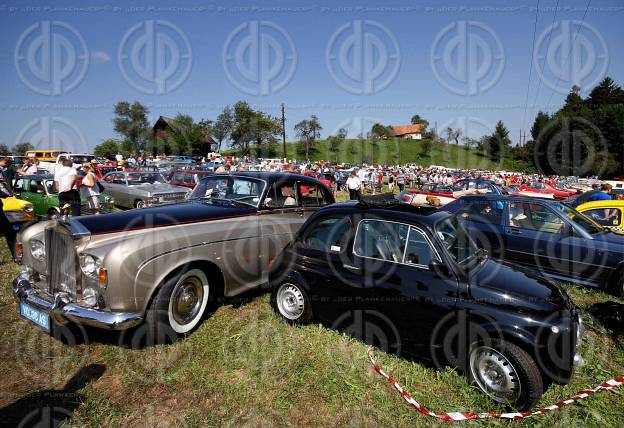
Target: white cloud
point(100, 57)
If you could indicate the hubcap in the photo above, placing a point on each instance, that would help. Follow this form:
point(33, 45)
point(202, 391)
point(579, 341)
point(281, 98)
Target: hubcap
point(186, 300)
point(290, 301)
point(494, 374)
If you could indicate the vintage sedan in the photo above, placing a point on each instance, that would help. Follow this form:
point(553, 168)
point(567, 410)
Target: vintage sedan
point(545, 235)
point(163, 265)
point(409, 280)
point(141, 189)
point(40, 191)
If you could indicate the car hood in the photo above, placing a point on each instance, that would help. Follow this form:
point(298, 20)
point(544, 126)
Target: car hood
point(504, 284)
point(160, 188)
point(164, 215)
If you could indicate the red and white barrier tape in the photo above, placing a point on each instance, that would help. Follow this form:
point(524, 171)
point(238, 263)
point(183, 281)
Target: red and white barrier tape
point(464, 416)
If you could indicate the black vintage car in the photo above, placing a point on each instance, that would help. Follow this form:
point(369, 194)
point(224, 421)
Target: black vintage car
point(410, 280)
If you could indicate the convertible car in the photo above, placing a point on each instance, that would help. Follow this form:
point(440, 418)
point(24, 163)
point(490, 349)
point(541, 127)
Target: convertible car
point(546, 235)
point(163, 265)
point(410, 279)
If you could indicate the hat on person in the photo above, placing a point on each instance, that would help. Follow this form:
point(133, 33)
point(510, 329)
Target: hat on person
point(94, 161)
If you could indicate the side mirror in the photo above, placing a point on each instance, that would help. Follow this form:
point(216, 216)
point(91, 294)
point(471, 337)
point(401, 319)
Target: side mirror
point(440, 268)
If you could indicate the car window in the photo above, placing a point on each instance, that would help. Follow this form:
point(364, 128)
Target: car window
point(490, 212)
point(418, 250)
point(283, 195)
point(382, 240)
point(178, 177)
point(605, 216)
point(534, 217)
point(312, 195)
point(328, 234)
point(119, 179)
point(109, 178)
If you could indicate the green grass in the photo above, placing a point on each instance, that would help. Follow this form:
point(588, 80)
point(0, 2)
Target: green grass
point(399, 151)
point(243, 366)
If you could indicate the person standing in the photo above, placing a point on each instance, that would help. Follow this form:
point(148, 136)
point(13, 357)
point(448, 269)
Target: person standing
point(6, 228)
point(354, 184)
point(603, 195)
point(400, 180)
point(90, 189)
point(65, 180)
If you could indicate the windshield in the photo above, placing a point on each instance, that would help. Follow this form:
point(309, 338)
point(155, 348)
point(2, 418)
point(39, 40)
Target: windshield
point(81, 158)
point(137, 178)
point(581, 220)
point(240, 189)
point(455, 240)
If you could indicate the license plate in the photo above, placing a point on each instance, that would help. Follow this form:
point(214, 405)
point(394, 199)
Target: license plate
point(37, 316)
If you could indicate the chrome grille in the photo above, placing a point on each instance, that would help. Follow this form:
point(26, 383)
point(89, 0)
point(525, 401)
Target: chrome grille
point(172, 196)
point(61, 260)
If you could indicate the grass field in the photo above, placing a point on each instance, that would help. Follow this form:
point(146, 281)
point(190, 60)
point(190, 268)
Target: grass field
point(244, 367)
point(401, 151)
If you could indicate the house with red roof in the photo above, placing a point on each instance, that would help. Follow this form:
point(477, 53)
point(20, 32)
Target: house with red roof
point(408, 131)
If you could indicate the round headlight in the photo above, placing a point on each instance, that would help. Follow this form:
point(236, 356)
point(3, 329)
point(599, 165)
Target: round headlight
point(28, 208)
point(88, 264)
point(37, 249)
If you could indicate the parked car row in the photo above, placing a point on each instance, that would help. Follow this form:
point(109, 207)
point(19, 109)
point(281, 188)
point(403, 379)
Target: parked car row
point(482, 270)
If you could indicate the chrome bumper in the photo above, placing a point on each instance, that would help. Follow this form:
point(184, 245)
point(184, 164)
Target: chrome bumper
point(61, 310)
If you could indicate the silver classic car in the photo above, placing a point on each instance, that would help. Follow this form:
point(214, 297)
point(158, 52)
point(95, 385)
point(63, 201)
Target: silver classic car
point(163, 265)
point(140, 189)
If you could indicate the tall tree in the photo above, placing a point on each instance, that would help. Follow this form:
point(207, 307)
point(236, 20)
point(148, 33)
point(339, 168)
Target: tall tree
point(380, 131)
point(498, 143)
point(417, 120)
point(453, 134)
point(4, 150)
point(107, 149)
point(223, 126)
point(308, 131)
point(132, 124)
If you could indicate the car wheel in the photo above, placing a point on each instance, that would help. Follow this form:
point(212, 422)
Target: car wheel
point(139, 204)
point(178, 306)
point(53, 214)
point(291, 303)
point(506, 373)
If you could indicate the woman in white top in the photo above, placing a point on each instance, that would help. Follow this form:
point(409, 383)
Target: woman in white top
point(90, 189)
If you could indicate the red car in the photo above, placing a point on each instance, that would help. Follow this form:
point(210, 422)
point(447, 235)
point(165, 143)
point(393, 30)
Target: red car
point(545, 188)
point(188, 178)
point(319, 177)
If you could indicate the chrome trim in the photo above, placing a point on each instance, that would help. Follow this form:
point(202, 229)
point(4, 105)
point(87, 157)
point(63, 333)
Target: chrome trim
point(61, 311)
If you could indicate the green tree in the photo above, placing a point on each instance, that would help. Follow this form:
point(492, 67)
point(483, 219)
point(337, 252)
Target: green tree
point(417, 120)
point(20, 149)
point(426, 145)
point(4, 150)
point(308, 131)
point(497, 144)
point(223, 126)
point(132, 125)
point(379, 131)
point(107, 149)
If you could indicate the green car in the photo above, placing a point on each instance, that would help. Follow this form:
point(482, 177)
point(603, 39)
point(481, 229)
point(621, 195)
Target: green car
point(39, 190)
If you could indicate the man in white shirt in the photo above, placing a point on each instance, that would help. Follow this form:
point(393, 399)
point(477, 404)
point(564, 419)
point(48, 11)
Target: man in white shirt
point(65, 181)
point(354, 184)
point(30, 167)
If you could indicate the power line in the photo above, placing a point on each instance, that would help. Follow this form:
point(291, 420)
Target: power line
point(569, 53)
point(552, 26)
point(526, 99)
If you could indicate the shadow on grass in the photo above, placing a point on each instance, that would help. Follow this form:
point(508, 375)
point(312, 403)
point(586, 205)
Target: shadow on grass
point(52, 407)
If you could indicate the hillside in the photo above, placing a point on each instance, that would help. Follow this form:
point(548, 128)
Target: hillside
point(399, 151)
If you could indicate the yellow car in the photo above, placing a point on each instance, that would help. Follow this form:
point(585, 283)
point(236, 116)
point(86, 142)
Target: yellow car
point(17, 210)
point(606, 213)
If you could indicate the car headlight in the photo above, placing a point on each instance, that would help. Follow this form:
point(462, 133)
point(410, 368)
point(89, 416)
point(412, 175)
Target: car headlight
point(90, 296)
point(37, 249)
point(28, 208)
point(90, 265)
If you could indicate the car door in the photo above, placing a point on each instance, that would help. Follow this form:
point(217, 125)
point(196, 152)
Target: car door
point(36, 194)
point(533, 235)
point(483, 219)
point(115, 184)
point(391, 296)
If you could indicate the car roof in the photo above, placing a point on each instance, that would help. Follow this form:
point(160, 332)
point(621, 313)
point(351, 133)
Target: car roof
point(399, 213)
point(602, 204)
point(516, 198)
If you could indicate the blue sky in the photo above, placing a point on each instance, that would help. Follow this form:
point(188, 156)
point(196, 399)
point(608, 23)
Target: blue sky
point(464, 64)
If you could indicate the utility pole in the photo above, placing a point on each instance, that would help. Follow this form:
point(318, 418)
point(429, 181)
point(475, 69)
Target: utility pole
point(283, 131)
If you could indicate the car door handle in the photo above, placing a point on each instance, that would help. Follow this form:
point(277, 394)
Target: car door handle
point(351, 268)
point(514, 231)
